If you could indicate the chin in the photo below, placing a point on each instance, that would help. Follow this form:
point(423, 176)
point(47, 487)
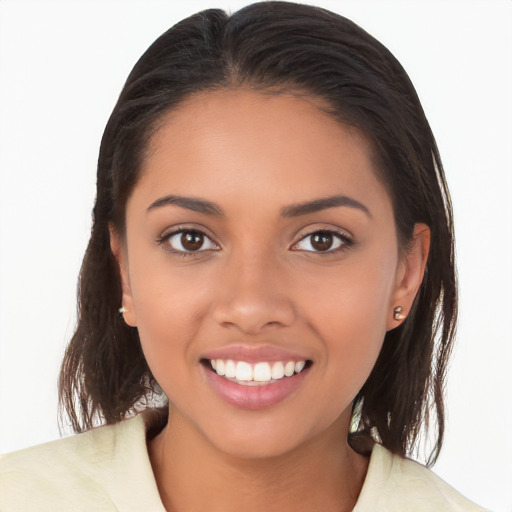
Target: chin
point(269, 437)
point(260, 446)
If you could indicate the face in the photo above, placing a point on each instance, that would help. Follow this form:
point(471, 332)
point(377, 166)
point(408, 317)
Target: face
point(261, 268)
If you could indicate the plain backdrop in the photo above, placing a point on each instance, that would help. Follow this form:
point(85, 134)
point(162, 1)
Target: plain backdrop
point(62, 65)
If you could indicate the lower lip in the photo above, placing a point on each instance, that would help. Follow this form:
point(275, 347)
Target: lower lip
point(255, 397)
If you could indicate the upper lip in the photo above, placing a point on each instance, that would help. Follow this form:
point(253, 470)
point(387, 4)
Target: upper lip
point(254, 354)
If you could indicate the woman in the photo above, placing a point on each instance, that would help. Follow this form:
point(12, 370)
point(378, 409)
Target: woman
point(273, 225)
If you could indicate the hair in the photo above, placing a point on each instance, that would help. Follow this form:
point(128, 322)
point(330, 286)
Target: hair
point(275, 47)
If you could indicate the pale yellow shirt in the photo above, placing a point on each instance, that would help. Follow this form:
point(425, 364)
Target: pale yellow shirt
point(108, 469)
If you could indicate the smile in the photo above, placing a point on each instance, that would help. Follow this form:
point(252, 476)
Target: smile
point(258, 374)
point(260, 379)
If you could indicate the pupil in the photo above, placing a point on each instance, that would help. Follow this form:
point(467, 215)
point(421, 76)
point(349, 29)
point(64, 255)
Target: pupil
point(192, 241)
point(321, 241)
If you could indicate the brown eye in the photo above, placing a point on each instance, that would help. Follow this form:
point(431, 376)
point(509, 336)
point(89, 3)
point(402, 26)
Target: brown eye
point(188, 241)
point(322, 241)
point(192, 240)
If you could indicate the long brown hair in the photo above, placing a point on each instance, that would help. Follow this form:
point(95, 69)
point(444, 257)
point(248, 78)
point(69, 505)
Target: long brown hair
point(276, 46)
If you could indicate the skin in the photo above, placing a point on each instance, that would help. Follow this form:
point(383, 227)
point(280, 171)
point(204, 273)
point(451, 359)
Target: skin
point(261, 282)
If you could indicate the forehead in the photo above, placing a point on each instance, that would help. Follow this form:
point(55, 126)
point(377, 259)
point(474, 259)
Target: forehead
point(237, 142)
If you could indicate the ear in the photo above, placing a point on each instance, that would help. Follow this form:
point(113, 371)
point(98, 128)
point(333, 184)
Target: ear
point(119, 251)
point(409, 276)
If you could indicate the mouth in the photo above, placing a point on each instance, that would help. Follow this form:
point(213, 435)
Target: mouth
point(255, 377)
point(259, 374)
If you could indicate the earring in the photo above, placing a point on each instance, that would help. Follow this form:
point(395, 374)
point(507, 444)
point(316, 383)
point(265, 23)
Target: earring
point(123, 310)
point(397, 313)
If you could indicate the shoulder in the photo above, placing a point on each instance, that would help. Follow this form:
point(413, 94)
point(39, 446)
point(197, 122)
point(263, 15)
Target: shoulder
point(89, 471)
point(395, 484)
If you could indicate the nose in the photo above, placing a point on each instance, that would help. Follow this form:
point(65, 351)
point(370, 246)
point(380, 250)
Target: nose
point(253, 296)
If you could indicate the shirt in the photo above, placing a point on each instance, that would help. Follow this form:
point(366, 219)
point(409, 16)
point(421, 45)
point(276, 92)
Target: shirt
point(108, 469)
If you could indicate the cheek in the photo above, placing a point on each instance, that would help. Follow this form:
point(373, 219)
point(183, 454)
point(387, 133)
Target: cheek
point(348, 312)
point(170, 308)
point(354, 298)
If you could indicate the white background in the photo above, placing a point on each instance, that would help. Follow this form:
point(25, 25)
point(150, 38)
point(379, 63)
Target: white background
point(62, 65)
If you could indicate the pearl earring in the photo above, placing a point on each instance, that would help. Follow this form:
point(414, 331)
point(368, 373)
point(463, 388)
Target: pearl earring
point(397, 313)
point(123, 310)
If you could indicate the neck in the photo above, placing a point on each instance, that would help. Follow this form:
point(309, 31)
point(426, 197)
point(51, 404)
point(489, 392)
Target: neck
point(192, 475)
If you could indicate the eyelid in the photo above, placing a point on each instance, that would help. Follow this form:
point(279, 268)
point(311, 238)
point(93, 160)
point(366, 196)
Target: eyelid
point(346, 239)
point(176, 230)
point(342, 235)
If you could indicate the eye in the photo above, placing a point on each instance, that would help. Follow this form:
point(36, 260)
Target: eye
point(323, 241)
point(188, 241)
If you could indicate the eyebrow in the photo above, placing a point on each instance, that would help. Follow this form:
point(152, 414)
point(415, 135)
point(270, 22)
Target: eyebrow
point(324, 203)
point(190, 203)
point(295, 210)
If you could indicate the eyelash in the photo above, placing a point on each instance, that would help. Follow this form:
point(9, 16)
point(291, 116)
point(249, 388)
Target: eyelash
point(180, 231)
point(345, 241)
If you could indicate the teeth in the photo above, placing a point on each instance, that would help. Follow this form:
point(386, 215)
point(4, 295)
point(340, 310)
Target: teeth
point(278, 370)
point(299, 366)
point(262, 372)
point(289, 368)
point(220, 367)
point(230, 369)
point(243, 371)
